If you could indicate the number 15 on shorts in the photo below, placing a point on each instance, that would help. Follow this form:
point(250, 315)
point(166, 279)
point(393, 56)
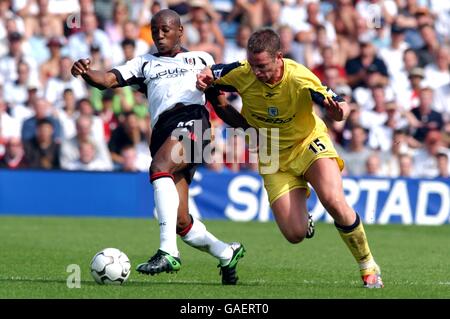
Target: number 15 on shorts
point(316, 146)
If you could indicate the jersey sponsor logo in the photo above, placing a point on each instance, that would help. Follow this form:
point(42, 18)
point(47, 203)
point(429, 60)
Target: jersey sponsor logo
point(272, 120)
point(272, 111)
point(168, 74)
point(270, 94)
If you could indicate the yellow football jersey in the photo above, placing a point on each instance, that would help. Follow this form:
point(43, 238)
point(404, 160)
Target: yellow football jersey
point(286, 105)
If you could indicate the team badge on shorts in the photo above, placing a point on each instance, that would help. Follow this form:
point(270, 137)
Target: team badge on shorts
point(272, 111)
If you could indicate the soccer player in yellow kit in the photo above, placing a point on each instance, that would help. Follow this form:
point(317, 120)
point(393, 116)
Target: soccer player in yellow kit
point(278, 93)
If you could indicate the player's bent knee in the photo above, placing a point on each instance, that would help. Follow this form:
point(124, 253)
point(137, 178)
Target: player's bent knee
point(160, 166)
point(295, 238)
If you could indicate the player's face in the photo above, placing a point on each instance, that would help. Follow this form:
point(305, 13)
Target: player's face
point(266, 67)
point(166, 35)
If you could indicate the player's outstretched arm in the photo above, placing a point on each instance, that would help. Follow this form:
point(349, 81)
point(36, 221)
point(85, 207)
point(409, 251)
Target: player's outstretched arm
point(99, 79)
point(224, 110)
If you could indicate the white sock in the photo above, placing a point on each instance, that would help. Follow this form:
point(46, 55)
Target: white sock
point(166, 203)
point(198, 237)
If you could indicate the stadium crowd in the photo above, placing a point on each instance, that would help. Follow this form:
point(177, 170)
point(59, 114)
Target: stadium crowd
point(390, 59)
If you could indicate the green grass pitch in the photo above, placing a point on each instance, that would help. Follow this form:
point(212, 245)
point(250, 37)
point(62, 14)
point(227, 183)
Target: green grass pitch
point(35, 253)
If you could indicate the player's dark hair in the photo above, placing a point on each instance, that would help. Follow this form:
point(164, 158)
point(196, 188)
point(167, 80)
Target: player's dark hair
point(264, 40)
point(168, 14)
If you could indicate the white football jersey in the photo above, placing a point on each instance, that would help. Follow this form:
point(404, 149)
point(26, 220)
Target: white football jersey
point(166, 80)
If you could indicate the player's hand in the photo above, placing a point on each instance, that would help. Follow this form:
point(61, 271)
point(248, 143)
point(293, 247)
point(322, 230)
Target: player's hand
point(335, 109)
point(204, 79)
point(80, 67)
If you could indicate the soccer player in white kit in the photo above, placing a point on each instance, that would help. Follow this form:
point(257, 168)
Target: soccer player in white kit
point(168, 79)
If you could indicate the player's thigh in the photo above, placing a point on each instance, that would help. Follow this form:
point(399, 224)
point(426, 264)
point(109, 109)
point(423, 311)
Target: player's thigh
point(287, 196)
point(169, 157)
point(324, 175)
point(291, 215)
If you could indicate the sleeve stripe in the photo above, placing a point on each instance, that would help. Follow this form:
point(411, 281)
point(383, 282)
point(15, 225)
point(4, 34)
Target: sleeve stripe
point(119, 77)
point(220, 70)
point(318, 97)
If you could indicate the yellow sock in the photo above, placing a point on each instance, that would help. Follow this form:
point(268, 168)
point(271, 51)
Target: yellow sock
point(355, 238)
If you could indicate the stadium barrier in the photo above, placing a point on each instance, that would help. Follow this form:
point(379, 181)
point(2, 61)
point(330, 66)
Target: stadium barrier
point(237, 197)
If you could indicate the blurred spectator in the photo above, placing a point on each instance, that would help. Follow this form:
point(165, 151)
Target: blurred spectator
point(390, 158)
point(235, 50)
point(406, 166)
point(88, 160)
point(51, 67)
point(56, 85)
point(425, 159)
point(202, 32)
point(70, 148)
point(441, 102)
point(131, 32)
point(42, 110)
point(14, 157)
point(107, 115)
point(344, 17)
point(423, 116)
point(400, 81)
point(256, 13)
point(42, 151)
point(130, 46)
point(16, 92)
point(84, 107)
point(8, 63)
point(292, 49)
point(407, 19)
point(144, 20)
point(330, 61)
point(129, 159)
point(9, 127)
point(126, 134)
point(38, 40)
point(114, 27)
point(393, 55)
point(90, 35)
point(427, 51)
point(437, 73)
point(381, 137)
point(68, 114)
point(442, 163)
point(373, 165)
point(357, 153)
point(410, 99)
point(358, 68)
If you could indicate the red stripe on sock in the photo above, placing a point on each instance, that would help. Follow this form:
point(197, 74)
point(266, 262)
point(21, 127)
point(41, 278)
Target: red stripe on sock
point(186, 230)
point(155, 176)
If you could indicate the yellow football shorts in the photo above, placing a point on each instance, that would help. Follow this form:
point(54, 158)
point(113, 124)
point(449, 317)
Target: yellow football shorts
point(295, 161)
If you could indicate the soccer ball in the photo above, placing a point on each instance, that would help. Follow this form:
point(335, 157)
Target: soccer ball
point(110, 266)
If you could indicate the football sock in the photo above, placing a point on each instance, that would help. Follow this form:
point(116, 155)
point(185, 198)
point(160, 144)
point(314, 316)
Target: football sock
point(196, 235)
point(354, 237)
point(166, 204)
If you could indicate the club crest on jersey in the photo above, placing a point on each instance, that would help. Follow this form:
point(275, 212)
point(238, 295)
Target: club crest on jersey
point(190, 61)
point(272, 111)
